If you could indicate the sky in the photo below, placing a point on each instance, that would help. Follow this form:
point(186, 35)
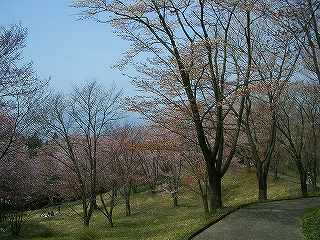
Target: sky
point(68, 51)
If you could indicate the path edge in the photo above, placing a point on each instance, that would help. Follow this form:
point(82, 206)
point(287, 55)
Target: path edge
point(205, 227)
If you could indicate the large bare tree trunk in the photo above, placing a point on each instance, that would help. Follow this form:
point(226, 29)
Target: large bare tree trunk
point(303, 185)
point(263, 169)
point(263, 185)
point(216, 196)
point(88, 213)
point(303, 177)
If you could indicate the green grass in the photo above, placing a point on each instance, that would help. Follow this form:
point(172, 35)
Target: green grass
point(153, 216)
point(311, 225)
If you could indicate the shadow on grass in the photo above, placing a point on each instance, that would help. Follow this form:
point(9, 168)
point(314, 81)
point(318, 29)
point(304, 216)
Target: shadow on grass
point(30, 230)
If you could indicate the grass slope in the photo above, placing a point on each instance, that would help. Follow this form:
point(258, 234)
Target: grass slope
point(311, 225)
point(153, 217)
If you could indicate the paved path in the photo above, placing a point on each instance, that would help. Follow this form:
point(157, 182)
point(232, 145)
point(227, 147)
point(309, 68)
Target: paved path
point(262, 221)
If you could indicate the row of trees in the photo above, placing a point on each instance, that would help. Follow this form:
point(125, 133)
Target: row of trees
point(218, 66)
point(222, 81)
point(94, 159)
point(64, 147)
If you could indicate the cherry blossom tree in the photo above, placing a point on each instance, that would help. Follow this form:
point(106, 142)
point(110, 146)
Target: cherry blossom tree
point(77, 124)
point(299, 127)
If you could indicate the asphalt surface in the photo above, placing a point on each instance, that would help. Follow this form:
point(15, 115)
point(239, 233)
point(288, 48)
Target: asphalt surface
point(279, 220)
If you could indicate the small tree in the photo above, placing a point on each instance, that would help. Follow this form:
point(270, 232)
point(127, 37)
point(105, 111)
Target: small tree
point(197, 178)
point(274, 60)
point(125, 158)
point(76, 125)
point(299, 127)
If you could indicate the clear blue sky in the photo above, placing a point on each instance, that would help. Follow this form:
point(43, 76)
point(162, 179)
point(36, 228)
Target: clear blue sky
point(68, 50)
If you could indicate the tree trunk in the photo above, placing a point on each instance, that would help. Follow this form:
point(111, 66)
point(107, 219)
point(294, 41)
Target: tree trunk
point(275, 174)
point(110, 219)
point(303, 184)
point(314, 175)
point(215, 187)
point(275, 169)
point(174, 199)
point(263, 186)
point(205, 204)
point(153, 188)
point(88, 209)
point(315, 150)
point(126, 195)
point(94, 202)
point(128, 207)
point(86, 221)
point(16, 223)
point(105, 211)
point(303, 177)
point(134, 188)
point(204, 195)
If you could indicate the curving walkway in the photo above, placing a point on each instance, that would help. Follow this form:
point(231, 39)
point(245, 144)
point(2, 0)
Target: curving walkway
point(262, 221)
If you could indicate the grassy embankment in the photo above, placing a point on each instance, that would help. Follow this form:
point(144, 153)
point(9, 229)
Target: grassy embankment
point(153, 217)
point(311, 225)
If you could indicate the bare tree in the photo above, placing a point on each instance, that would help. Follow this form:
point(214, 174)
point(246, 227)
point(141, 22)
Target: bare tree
point(148, 159)
point(126, 160)
point(20, 93)
point(77, 125)
point(197, 178)
point(16, 77)
point(274, 58)
point(20, 89)
point(299, 127)
point(299, 19)
point(108, 180)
